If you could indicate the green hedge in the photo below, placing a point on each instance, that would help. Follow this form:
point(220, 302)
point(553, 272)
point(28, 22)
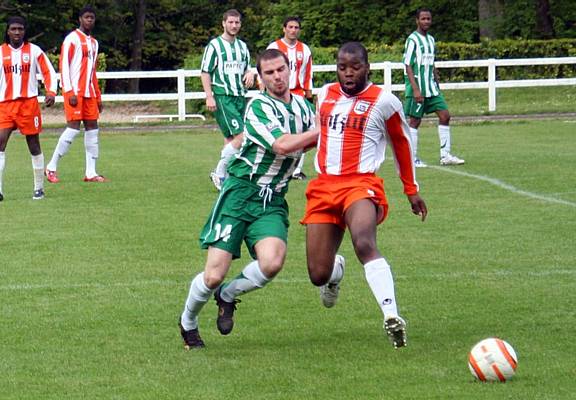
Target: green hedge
point(506, 49)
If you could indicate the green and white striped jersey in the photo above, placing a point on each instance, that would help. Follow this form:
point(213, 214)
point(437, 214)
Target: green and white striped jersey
point(267, 119)
point(226, 63)
point(419, 54)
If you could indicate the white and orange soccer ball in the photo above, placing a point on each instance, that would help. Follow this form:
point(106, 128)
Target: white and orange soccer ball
point(492, 359)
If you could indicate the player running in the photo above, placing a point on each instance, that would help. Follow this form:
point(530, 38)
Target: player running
point(251, 206)
point(357, 120)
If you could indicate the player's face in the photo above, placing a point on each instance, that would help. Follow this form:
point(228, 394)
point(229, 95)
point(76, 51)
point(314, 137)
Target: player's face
point(87, 21)
point(232, 25)
point(275, 74)
point(292, 30)
point(16, 33)
point(352, 72)
point(424, 21)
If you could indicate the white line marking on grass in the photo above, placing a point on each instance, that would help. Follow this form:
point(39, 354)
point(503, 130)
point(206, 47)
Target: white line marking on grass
point(540, 272)
point(94, 285)
point(495, 273)
point(503, 185)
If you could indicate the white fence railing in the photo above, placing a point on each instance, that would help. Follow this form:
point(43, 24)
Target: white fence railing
point(491, 84)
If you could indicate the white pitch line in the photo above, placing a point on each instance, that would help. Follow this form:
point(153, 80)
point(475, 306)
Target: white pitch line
point(500, 184)
point(539, 272)
point(94, 285)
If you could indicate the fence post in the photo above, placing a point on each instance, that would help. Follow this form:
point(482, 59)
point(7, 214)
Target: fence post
point(491, 84)
point(388, 76)
point(181, 93)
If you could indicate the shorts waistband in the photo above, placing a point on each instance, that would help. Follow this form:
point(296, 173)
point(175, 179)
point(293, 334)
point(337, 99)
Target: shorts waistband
point(330, 177)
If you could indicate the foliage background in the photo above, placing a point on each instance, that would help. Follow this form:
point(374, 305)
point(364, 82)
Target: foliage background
point(175, 31)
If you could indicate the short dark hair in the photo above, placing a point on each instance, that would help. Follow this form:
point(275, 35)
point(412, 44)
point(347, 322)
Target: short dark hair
point(421, 10)
point(290, 19)
point(231, 13)
point(86, 9)
point(267, 55)
point(16, 19)
point(355, 48)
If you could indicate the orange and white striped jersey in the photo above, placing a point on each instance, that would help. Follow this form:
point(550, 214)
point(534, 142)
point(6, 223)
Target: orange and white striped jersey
point(78, 62)
point(354, 132)
point(19, 69)
point(300, 59)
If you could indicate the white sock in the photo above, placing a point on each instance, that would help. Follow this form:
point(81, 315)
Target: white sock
point(91, 146)
point(2, 165)
point(337, 273)
point(38, 167)
point(251, 278)
point(64, 142)
point(444, 136)
point(414, 142)
point(298, 169)
point(198, 295)
point(225, 155)
point(379, 277)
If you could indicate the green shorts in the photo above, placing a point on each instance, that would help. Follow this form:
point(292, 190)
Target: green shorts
point(431, 104)
point(229, 114)
point(240, 214)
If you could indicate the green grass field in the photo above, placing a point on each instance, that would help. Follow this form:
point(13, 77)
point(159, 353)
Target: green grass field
point(93, 278)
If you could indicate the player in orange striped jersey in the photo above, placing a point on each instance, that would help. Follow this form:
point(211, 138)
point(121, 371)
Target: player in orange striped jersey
point(82, 98)
point(300, 58)
point(19, 109)
point(357, 120)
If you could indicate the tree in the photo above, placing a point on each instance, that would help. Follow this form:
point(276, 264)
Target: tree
point(490, 18)
point(544, 19)
point(137, 44)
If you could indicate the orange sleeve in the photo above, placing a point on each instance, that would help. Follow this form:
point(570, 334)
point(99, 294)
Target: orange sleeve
point(400, 141)
point(95, 81)
point(308, 75)
point(48, 74)
point(66, 54)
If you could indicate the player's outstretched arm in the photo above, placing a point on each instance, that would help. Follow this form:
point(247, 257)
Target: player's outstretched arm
point(288, 143)
point(418, 206)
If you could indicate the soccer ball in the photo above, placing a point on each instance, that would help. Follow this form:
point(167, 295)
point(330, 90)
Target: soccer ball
point(492, 359)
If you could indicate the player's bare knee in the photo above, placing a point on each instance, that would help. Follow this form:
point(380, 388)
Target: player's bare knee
point(270, 268)
point(213, 279)
point(444, 118)
point(319, 277)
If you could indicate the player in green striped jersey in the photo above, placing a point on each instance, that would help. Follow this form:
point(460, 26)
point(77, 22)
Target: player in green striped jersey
point(225, 75)
point(251, 206)
point(423, 94)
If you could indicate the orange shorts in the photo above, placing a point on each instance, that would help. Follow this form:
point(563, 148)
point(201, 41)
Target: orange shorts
point(86, 109)
point(23, 114)
point(329, 196)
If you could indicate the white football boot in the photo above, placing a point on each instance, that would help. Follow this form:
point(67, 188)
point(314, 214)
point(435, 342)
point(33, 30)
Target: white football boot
point(329, 292)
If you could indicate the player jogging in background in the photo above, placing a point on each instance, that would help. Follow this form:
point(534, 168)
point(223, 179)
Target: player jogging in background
point(357, 120)
point(225, 75)
point(300, 58)
point(19, 109)
point(82, 98)
point(251, 206)
point(423, 94)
